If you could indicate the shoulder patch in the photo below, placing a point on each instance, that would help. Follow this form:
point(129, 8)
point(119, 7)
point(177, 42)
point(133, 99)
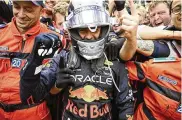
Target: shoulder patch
point(2, 26)
point(164, 59)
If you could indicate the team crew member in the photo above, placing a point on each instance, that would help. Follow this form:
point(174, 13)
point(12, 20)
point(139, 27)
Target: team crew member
point(171, 34)
point(92, 87)
point(16, 42)
point(175, 45)
point(162, 94)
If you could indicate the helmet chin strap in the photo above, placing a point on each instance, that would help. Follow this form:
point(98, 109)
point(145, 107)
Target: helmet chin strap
point(92, 28)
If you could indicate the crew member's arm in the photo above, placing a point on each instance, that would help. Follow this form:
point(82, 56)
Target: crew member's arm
point(153, 48)
point(128, 24)
point(137, 70)
point(152, 33)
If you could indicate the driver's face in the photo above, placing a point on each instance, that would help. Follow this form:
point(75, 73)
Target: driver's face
point(85, 33)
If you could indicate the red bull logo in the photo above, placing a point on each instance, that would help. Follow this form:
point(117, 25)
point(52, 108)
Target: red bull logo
point(94, 111)
point(88, 93)
point(129, 117)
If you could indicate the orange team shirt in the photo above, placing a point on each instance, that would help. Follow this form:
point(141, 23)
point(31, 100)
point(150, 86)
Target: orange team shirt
point(162, 93)
point(14, 49)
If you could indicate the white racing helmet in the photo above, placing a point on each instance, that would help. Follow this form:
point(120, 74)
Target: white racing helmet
point(89, 14)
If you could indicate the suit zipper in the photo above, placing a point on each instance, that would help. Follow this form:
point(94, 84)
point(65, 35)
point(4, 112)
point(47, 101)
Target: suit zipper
point(23, 42)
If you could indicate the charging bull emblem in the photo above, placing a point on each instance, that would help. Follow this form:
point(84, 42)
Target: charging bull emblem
point(88, 93)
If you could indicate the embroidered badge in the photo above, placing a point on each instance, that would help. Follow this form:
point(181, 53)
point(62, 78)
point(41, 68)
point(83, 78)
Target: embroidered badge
point(165, 59)
point(166, 79)
point(3, 48)
point(16, 63)
point(38, 69)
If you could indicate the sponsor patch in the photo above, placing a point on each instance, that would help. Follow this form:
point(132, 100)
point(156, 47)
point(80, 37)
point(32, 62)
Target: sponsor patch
point(166, 79)
point(38, 69)
point(93, 79)
point(16, 63)
point(88, 93)
point(87, 110)
point(3, 48)
point(165, 59)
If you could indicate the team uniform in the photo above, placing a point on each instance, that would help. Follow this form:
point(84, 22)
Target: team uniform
point(14, 50)
point(92, 88)
point(93, 96)
point(162, 94)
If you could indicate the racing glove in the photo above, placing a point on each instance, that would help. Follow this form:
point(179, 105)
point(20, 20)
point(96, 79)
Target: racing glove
point(64, 75)
point(45, 45)
point(120, 4)
point(113, 47)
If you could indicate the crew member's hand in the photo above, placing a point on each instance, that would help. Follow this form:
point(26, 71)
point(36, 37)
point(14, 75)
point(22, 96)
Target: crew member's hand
point(64, 75)
point(128, 23)
point(45, 45)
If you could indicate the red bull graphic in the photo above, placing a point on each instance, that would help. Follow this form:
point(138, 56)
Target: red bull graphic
point(130, 117)
point(88, 93)
point(94, 111)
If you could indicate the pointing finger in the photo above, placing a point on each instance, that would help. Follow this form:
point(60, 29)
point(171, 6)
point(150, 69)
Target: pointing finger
point(132, 8)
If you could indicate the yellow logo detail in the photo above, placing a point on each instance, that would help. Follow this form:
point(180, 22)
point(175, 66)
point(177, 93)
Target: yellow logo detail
point(107, 62)
point(88, 93)
point(130, 117)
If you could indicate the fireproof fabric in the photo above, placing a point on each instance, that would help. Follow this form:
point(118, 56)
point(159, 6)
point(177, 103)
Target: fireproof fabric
point(93, 95)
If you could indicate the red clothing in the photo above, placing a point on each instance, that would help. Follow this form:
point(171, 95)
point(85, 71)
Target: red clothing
point(162, 94)
point(14, 45)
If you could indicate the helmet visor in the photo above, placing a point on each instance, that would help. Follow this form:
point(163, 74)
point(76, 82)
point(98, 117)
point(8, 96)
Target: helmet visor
point(88, 16)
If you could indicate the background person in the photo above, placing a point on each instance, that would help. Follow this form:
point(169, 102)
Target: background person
point(159, 13)
point(6, 12)
point(46, 16)
point(162, 93)
point(59, 14)
point(16, 42)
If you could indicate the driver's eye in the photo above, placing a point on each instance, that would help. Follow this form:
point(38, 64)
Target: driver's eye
point(82, 30)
